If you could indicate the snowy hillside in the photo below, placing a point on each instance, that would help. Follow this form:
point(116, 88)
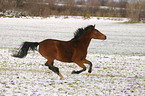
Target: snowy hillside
point(123, 38)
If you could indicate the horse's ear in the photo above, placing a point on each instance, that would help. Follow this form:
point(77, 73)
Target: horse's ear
point(94, 25)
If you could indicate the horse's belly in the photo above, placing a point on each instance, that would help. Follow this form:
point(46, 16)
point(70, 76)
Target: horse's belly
point(64, 58)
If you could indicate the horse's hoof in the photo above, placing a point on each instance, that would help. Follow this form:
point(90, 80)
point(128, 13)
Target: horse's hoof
point(73, 72)
point(61, 78)
point(88, 74)
point(46, 64)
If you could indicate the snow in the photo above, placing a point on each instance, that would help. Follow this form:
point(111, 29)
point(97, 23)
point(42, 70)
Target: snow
point(123, 38)
point(118, 62)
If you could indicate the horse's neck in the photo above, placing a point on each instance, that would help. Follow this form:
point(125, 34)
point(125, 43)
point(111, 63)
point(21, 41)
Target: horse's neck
point(84, 42)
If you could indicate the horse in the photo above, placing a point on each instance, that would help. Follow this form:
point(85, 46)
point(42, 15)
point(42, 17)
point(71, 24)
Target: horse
point(74, 50)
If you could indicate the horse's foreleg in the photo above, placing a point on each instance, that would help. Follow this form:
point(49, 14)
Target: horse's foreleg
point(90, 69)
point(88, 62)
point(81, 65)
point(54, 69)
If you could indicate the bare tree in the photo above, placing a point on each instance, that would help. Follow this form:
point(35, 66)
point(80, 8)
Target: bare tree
point(112, 3)
point(134, 10)
point(80, 2)
point(69, 7)
point(122, 3)
point(69, 3)
point(93, 3)
point(103, 2)
point(51, 3)
point(1, 5)
point(92, 8)
point(19, 3)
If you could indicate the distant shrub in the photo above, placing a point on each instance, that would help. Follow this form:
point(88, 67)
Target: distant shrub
point(87, 16)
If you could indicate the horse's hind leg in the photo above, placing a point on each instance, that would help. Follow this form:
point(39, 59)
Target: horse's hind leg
point(53, 68)
point(80, 63)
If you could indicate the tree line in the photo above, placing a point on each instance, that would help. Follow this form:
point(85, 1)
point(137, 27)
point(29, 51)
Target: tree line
point(133, 9)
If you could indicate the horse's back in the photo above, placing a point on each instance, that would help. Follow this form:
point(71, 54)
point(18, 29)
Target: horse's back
point(47, 48)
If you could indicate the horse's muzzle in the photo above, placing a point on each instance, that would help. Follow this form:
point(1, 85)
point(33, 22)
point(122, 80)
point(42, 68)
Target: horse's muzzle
point(104, 38)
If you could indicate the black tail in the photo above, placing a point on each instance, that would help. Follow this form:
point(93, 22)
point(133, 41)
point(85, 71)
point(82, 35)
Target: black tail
point(24, 49)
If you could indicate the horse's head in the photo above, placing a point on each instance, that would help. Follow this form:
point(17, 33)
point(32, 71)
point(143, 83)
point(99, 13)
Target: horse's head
point(96, 34)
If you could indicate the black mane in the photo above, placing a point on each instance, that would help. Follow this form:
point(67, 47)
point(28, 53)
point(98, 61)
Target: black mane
point(81, 31)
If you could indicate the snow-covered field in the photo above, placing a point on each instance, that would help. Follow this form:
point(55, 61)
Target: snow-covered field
point(118, 62)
